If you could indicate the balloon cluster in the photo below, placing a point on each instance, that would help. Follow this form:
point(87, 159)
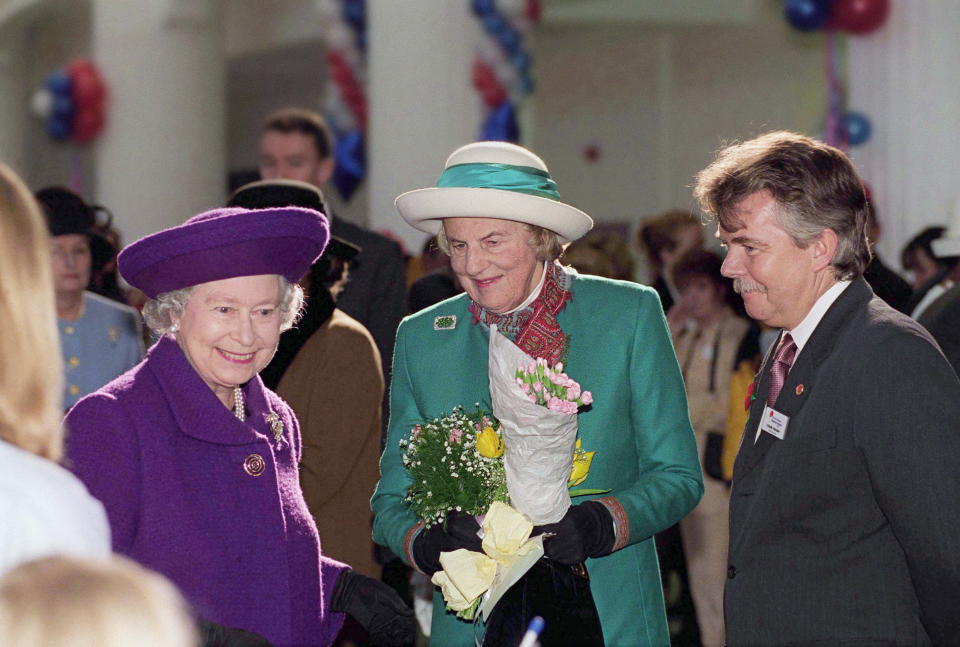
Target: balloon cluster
point(72, 101)
point(345, 102)
point(843, 127)
point(852, 16)
point(502, 67)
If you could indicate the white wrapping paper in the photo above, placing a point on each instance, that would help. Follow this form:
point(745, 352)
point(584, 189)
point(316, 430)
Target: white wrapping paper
point(539, 442)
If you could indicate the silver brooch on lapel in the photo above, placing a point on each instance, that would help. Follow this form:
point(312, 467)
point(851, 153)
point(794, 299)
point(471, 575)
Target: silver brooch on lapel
point(445, 322)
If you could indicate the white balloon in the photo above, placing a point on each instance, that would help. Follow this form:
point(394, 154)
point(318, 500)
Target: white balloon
point(489, 51)
point(339, 36)
point(505, 73)
point(41, 103)
point(512, 8)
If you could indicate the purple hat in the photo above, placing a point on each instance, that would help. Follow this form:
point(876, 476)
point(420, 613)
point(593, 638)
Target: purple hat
point(225, 243)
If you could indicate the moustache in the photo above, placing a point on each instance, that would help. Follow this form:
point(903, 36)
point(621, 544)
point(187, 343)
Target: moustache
point(743, 287)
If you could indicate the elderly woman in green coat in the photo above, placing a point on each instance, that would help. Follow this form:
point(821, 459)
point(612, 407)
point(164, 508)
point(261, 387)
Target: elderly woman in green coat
point(498, 214)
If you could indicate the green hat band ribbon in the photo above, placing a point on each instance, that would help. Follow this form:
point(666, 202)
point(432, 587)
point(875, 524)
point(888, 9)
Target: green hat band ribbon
point(506, 177)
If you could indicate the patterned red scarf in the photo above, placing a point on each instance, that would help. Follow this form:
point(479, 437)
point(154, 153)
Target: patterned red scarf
point(534, 328)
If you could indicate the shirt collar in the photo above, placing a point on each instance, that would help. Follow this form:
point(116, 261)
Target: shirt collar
point(533, 295)
point(801, 333)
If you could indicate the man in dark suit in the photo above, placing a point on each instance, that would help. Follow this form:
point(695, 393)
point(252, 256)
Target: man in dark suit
point(845, 508)
point(296, 145)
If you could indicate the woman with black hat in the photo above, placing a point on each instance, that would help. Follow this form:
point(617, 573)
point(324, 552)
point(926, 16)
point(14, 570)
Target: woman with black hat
point(196, 460)
point(100, 338)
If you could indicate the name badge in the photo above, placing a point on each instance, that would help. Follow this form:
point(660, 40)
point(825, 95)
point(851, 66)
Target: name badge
point(774, 422)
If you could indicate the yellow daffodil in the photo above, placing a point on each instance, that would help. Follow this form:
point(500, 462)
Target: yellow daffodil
point(581, 466)
point(504, 532)
point(489, 444)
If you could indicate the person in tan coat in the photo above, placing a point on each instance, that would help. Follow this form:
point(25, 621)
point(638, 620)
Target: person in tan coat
point(707, 335)
point(328, 370)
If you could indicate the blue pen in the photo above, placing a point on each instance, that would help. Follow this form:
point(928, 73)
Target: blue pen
point(533, 632)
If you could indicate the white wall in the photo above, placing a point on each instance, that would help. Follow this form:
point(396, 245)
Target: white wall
point(660, 101)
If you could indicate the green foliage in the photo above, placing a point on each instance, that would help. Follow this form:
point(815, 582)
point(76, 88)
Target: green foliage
point(447, 471)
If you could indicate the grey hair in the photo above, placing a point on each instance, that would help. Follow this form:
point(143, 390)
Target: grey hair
point(159, 314)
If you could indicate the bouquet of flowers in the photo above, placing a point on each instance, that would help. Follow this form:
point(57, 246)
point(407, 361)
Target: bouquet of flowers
point(551, 387)
point(456, 463)
point(537, 406)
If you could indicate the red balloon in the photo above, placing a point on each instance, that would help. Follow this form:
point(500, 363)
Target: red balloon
point(493, 95)
point(86, 125)
point(86, 89)
point(859, 16)
point(81, 66)
point(533, 10)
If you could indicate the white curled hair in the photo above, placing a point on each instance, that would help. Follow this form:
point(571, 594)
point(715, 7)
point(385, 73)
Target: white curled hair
point(160, 313)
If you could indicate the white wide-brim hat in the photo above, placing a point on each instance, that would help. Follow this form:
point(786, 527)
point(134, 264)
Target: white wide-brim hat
point(949, 244)
point(494, 180)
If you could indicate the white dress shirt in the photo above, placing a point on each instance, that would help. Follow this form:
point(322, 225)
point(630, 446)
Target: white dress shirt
point(802, 331)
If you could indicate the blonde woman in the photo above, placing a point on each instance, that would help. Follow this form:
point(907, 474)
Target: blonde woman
point(65, 601)
point(45, 509)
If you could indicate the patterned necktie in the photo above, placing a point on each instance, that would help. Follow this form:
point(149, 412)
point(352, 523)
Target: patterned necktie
point(782, 361)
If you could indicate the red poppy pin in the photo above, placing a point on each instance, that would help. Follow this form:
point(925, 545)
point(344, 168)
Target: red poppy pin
point(751, 395)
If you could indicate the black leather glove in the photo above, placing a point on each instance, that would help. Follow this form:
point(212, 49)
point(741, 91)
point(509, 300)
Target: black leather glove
point(376, 607)
point(458, 531)
point(586, 530)
point(214, 635)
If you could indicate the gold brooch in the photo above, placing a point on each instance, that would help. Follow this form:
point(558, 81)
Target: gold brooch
point(276, 426)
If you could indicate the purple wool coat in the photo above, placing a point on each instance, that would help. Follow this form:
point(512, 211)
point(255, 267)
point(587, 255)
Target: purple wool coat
point(211, 502)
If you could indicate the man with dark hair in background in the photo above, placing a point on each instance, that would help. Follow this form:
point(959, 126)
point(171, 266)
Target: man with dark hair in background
point(296, 144)
point(845, 507)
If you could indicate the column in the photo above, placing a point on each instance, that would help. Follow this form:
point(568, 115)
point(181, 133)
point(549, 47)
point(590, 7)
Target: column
point(421, 98)
point(162, 156)
point(14, 98)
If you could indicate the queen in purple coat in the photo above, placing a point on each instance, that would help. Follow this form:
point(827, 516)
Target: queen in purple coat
point(196, 461)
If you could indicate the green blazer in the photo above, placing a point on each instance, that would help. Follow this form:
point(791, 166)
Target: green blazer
point(638, 426)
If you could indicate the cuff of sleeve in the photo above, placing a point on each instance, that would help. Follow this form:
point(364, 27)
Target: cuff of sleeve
point(408, 545)
point(621, 524)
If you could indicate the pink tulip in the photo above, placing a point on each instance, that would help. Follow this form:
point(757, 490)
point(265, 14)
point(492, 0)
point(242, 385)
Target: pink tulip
point(586, 397)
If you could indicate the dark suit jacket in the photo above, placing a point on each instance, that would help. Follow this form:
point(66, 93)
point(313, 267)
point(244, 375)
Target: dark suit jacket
point(942, 319)
point(847, 531)
point(376, 291)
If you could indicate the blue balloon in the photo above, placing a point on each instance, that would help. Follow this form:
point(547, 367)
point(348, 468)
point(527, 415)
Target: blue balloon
point(525, 84)
point(501, 124)
point(351, 164)
point(509, 38)
point(482, 7)
point(355, 13)
point(807, 15)
point(62, 107)
point(493, 23)
point(59, 83)
point(59, 128)
point(855, 127)
point(521, 61)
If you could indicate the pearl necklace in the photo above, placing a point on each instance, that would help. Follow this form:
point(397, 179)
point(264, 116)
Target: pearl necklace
point(238, 409)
